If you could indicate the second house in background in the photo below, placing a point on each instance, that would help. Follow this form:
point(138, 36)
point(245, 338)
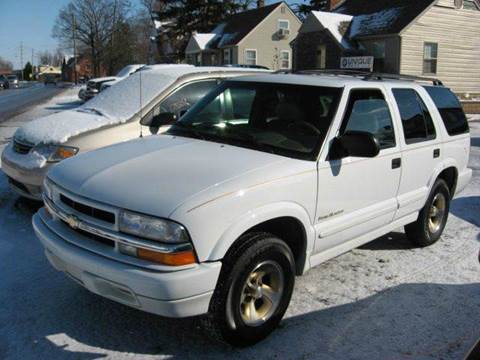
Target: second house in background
point(260, 37)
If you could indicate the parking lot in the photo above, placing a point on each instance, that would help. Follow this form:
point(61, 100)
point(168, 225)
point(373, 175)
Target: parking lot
point(386, 300)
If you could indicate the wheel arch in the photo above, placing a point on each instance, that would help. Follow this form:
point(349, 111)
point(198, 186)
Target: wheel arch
point(448, 171)
point(288, 221)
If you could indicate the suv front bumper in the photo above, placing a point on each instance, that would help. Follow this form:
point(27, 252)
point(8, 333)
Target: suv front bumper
point(179, 293)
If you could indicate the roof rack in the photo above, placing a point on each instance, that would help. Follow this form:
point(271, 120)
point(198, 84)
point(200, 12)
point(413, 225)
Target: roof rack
point(365, 75)
point(381, 76)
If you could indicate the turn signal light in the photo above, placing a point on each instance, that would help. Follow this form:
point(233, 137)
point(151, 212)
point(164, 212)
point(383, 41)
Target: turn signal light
point(173, 259)
point(64, 152)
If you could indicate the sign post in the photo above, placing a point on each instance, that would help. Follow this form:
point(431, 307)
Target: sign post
point(357, 62)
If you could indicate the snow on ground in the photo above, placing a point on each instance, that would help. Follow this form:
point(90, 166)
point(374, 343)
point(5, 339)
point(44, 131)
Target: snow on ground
point(386, 300)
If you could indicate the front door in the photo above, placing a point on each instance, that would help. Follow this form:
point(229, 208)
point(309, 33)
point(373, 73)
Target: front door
point(358, 195)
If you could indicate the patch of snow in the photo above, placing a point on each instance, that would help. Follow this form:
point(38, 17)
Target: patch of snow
point(57, 128)
point(129, 69)
point(473, 117)
point(373, 23)
point(332, 22)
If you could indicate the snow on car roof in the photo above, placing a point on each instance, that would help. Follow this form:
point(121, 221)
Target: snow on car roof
point(116, 105)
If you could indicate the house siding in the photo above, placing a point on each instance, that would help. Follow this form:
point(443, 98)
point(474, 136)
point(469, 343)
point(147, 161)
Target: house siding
point(264, 38)
point(391, 62)
point(457, 33)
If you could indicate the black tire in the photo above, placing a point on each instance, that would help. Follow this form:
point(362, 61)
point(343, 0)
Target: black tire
point(420, 232)
point(226, 318)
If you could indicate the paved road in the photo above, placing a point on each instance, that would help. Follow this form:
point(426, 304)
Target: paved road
point(385, 300)
point(16, 101)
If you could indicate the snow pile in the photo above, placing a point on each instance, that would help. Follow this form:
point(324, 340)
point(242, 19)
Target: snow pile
point(59, 127)
point(473, 117)
point(373, 23)
point(332, 22)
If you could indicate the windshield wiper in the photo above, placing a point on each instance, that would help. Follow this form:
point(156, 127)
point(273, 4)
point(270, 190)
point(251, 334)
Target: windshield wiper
point(189, 129)
point(93, 110)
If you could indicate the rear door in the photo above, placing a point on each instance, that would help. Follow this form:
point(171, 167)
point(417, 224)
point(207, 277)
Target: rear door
point(358, 195)
point(421, 147)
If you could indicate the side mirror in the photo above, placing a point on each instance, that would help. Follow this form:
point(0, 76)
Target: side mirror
point(356, 144)
point(165, 118)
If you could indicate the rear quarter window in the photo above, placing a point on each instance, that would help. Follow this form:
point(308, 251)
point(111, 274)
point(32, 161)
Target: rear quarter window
point(450, 109)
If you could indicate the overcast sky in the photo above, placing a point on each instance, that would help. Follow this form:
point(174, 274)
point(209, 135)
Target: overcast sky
point(29, 23)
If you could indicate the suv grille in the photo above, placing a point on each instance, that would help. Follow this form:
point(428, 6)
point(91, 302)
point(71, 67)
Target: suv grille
point(88, 210)
point(21, 148)
point(94, 237)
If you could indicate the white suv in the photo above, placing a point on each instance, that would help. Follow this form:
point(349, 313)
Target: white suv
point(264, 178)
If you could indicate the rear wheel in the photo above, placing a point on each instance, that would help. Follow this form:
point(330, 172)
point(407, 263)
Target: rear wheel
point(253, 291)
point(432, 218)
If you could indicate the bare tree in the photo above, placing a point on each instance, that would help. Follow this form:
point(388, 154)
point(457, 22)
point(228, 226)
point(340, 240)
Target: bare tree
point(5, 65)
point(95, 24)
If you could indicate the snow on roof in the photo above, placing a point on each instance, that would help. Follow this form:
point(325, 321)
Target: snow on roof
point(203, 39)
point(373, 23)
point(333, 23)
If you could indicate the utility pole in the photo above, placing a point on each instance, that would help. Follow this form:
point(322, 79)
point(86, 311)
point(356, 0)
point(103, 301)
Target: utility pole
point(32, 66)
point(21, 58)
point(74, 49)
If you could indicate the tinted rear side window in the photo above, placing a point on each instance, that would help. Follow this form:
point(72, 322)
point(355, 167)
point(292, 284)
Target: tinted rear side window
point(416, 120)
point(450, 109)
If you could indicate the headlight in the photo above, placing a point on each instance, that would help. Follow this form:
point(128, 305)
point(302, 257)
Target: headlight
point(153, 228)
point(56, 153)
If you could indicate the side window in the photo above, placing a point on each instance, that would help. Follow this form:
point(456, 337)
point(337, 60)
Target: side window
point(416, 119)
point(182, 99)
point(450, 109)
point(368, 111)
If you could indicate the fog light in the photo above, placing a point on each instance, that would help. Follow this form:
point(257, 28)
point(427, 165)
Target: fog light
point(173, 259)
point(127, 249)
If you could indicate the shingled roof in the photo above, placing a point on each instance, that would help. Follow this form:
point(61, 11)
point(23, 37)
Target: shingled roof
point(381, 17)
point(233, 29)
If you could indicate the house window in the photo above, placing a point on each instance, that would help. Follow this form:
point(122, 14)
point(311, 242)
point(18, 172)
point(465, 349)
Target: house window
point(470, 5)
point(284, 59)
point(430, 52)
point(283, 24)
point(321, 57)
point(251, 57)
point(227, 56)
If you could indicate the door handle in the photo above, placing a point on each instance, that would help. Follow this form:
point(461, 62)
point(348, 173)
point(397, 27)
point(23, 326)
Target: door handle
point(436, 153)
point(396, 163)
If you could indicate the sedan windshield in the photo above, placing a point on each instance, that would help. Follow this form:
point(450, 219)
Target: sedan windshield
point(288, 120)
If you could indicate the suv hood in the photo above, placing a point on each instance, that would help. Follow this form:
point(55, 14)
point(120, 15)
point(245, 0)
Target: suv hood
point(157, 174)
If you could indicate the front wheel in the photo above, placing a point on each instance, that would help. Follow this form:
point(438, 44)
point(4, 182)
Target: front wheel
point(432, 218)
point(253, 291)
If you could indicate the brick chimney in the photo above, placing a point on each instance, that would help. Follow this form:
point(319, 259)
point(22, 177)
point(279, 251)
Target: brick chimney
point(260, 3)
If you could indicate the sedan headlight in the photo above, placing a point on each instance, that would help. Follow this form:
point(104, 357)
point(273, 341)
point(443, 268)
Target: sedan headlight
point(56, 153)
point(152, 228)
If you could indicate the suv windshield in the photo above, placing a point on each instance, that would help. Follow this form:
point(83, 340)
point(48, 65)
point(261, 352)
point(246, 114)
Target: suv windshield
point(288, 120)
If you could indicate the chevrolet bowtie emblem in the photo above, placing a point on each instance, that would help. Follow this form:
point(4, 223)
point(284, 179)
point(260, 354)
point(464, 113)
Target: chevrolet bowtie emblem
point(73, 222)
